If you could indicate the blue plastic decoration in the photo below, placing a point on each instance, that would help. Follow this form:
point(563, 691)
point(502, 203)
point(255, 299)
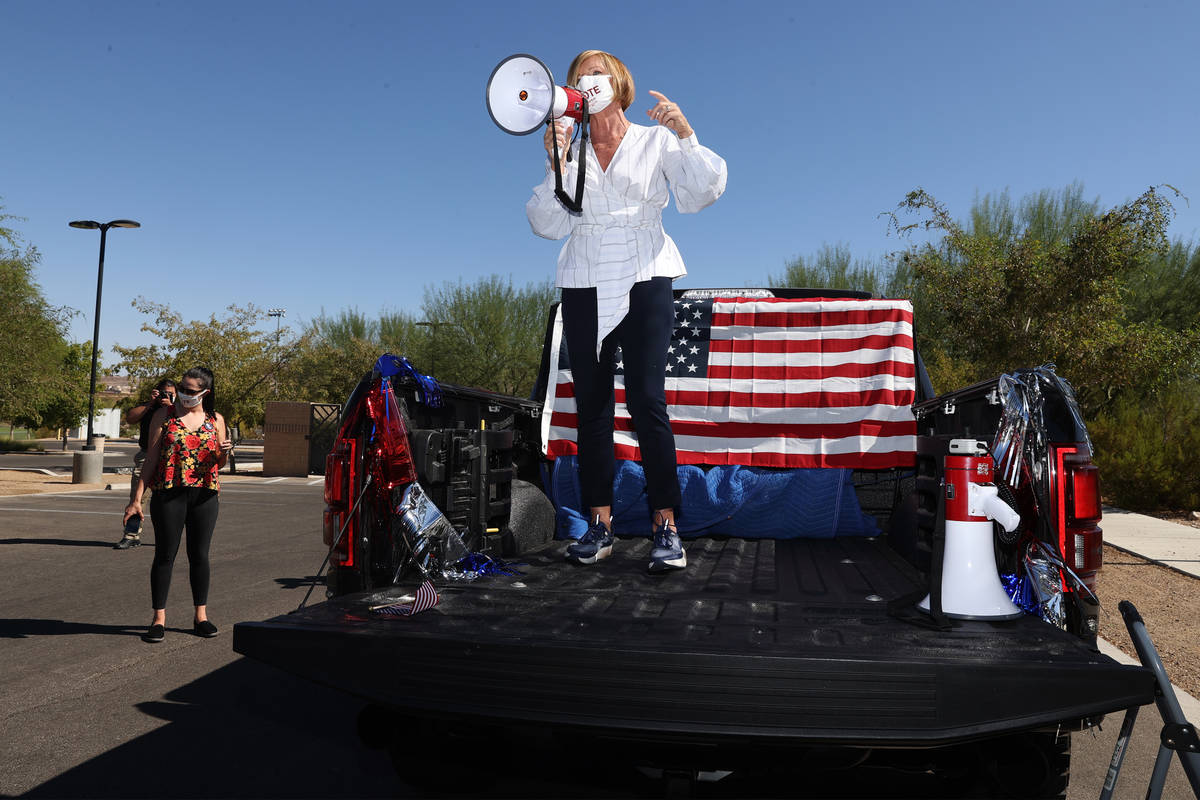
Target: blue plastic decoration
point(428, 390)
point(1019, 590)
point(481, 564)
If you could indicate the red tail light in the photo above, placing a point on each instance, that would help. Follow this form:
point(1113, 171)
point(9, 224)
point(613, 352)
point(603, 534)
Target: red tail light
point(1077, 491)
point(340, 485)
point(391, 461)
point(1083, 490)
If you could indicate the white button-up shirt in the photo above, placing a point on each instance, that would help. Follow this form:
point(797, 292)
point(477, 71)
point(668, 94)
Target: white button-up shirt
point(618, 239)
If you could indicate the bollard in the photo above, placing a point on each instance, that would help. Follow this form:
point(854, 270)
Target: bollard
point(87, 466)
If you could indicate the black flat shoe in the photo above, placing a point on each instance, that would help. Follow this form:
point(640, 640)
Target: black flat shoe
point(205, 629)
point(155, 635)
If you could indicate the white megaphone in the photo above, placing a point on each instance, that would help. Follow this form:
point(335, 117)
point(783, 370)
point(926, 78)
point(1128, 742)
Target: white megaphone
point(521, 96)
point(971, 587)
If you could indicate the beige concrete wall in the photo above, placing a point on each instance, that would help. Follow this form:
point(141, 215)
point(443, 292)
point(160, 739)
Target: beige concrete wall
point(285, 439)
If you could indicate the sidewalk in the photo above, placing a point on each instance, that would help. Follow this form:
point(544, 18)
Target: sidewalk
point(1169, 543)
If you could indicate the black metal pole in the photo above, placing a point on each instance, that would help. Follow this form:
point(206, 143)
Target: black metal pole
point(95, 341)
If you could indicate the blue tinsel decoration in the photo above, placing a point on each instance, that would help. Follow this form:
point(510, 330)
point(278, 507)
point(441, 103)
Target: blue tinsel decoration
point(1020, 591)
point(484, 565)
point(427, 388)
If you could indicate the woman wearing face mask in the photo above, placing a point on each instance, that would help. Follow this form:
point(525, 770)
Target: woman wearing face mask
point(615, 272)
point(188, 446)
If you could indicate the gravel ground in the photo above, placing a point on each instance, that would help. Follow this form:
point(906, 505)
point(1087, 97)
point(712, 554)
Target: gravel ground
point(14, 482)
point(1169, 603)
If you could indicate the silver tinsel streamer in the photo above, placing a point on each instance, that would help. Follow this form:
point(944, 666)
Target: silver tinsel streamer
point(424, 538)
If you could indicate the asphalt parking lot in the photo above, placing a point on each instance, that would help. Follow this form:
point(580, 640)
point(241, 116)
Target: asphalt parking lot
point(89, 710)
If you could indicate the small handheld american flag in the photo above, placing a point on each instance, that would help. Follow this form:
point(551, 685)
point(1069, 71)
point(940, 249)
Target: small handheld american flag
point(426, 598)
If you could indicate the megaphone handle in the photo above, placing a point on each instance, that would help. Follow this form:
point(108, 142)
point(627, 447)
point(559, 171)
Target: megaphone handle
point(575, 205)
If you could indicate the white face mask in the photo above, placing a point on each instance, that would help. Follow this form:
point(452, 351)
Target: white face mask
point(189, 400)
point(597, 89)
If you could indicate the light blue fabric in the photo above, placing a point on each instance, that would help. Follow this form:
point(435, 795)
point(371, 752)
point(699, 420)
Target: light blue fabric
point(746, 502)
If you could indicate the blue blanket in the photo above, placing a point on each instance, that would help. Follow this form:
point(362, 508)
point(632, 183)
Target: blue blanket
point(746, 502)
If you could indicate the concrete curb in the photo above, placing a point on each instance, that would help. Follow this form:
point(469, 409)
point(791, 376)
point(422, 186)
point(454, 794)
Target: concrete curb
point(1166, 543)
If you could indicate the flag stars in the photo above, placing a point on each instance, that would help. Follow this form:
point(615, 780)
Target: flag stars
point(693, 349)
point(691, 367)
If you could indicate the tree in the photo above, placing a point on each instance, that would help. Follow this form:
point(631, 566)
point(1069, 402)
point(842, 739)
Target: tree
point(488, 334)
point(243, 357)
point(833, 267)
point(1166, 288)
point(1046, 284)
point(333, 354)
point(32, 334)
point(69, 405)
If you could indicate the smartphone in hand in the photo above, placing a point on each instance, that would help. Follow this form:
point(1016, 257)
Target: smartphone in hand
point(133, 524)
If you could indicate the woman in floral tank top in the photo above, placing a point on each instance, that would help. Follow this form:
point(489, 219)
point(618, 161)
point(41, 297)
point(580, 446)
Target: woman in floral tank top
point(188, 446)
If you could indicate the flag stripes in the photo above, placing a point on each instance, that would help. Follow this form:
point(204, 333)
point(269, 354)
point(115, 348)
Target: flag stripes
point(771, 382)
point(425, 598)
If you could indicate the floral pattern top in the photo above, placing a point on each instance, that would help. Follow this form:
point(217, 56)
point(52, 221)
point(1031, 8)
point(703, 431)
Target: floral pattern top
point(187, 457)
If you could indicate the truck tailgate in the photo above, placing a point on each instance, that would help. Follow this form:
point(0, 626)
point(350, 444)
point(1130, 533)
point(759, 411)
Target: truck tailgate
point(786, 640)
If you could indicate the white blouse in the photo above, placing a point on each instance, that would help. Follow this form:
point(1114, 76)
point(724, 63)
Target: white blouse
point(618, 239)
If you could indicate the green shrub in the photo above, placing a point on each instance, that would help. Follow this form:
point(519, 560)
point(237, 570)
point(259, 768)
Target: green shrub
point(1146, 449)
point(18, 445)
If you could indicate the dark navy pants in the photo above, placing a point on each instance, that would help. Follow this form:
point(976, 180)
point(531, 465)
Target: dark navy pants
point(644, 336)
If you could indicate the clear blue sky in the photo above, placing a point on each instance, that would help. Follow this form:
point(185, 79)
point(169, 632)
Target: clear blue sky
point(322, 155)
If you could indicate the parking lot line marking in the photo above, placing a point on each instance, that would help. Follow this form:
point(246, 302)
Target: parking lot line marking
point(87, 494)
point(318, 480)
point(61, 511)
point(275, 480)
point(301, 491)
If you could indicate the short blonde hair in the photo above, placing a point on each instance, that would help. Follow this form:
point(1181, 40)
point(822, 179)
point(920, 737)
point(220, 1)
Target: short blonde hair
point(622, 81)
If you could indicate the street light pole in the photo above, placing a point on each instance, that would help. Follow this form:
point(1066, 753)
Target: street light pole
point(87, 224)
point(277, 313)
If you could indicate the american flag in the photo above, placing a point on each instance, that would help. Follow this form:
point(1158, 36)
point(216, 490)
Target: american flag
point(770, 382)
point(426, 598)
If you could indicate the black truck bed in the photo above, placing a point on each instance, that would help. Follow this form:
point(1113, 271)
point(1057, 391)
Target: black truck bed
point(780, 640)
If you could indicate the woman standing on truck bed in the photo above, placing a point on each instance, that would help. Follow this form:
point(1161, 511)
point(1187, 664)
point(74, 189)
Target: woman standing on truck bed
point(615, 272)
point(188, 446)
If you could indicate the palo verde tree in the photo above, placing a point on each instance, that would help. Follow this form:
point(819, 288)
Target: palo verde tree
point(833, 267)
point(1047, 281)
point(242, 354)
point(487, 334)
point(337, 350)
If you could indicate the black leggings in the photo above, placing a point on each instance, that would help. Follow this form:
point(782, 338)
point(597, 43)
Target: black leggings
point(171, 510)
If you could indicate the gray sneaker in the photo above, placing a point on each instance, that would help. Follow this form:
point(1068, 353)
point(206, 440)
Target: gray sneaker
point(127, 542)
